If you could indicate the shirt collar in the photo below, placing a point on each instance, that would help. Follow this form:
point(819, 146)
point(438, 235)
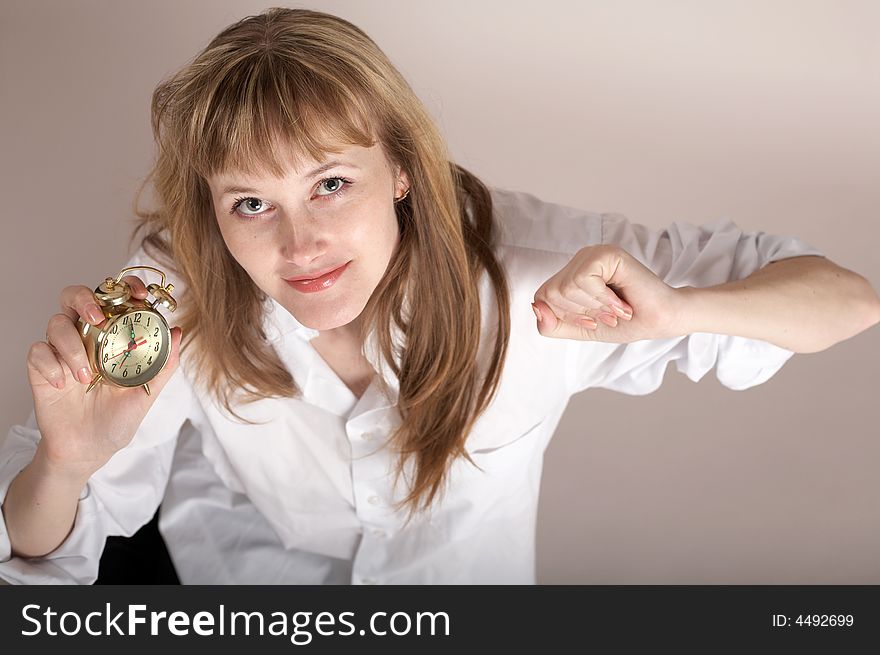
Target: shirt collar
point(285, 324)
point(281, 324)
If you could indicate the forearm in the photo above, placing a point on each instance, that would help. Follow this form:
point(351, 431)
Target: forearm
point(40, 507)
point(804, 304)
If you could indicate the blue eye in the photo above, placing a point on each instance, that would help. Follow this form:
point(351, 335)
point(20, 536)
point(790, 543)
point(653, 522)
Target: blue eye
point(248, 203)
point(339, 182)
point(255, 205)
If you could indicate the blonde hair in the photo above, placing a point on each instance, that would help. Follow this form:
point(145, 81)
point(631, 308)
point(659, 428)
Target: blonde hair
point(301, 80)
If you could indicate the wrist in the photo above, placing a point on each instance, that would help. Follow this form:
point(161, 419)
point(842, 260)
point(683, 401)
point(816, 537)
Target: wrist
point(687, 310)
point(68, 474)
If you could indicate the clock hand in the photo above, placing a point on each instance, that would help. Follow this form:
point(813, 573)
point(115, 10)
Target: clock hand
point(130, 348)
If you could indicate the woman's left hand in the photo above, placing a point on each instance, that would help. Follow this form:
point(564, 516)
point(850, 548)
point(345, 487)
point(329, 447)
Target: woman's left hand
point(579, 301)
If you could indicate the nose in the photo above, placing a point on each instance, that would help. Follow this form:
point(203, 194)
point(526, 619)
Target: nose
point(302, 240)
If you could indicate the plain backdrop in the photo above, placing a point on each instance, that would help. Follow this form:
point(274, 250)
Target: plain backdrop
point(764, 112)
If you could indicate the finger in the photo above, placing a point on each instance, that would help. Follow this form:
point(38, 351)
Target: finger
point(603, 279)
point(549, 322)
point(551, 326)
point(589, 320)
point(576, 317)
point(616, 304)
point(64, 337)
point(43, 366)
point(603, 299)
point(604, 294)
point(575, 301)
point(570, 306)
point(78, 301)
point(138, 288)
point(576, 308)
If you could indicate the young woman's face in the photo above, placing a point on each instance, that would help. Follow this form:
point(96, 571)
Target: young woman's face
point(306, 223)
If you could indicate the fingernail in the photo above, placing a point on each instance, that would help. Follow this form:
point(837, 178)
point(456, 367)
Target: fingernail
point(537, 312)
point(94, 313)
point(608, 319)
point(589, 323)
point(620, 311)
point(58, 384)
point(84, 376)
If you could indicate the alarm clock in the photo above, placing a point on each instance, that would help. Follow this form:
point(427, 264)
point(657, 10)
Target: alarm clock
point(132, 345)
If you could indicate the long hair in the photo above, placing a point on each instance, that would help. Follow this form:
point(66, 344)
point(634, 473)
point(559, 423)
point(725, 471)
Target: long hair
point(295, 80)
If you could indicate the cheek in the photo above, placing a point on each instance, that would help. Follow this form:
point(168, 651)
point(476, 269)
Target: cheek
point(228, 232)
point(374, 234)
point(379, 239)
point(243, 246)
point(384, 228)
point(392, 233)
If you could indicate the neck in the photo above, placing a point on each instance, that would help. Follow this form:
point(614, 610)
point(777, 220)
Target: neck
point(350, 333)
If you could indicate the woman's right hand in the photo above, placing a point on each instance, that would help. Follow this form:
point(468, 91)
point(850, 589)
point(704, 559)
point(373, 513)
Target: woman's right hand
point(81, 432)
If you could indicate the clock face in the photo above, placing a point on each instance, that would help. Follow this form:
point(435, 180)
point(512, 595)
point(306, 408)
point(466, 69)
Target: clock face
point(134, 348)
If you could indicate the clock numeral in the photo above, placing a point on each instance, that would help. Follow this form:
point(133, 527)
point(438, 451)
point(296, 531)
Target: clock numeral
point(149, 318)
point(137, 317)
point(126, 320)
point(138, 369)
point(125, 373)
point(106, 357)
point(115, 329)
point(106, 341)
point(113, 368)
point(157, 347)
point(150, 360)
point(156, 333)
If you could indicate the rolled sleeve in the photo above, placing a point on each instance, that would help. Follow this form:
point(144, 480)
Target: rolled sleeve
point(75, 561)
point(117, 500)
point(687, 255)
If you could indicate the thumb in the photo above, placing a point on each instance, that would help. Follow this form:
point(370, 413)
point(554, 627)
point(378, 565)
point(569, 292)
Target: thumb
point(553, 326)
point(547, 321)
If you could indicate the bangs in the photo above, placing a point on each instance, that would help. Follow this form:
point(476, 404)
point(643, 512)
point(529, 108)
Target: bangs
point(266, 112)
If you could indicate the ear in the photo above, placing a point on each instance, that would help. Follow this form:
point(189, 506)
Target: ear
point(401, 182)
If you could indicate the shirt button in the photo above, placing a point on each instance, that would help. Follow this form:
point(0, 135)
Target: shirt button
point(368, 581)
point(368, 436)
point(374, 500)
point(379, 534)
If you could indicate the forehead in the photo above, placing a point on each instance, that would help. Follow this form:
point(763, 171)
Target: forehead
point(304, 167)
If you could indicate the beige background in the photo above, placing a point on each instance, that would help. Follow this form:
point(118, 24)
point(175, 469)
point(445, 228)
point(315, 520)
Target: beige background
point(763, 112)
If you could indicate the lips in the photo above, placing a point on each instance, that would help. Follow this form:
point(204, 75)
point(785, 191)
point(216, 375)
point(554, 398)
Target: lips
point(320, 283)
point(306, 278)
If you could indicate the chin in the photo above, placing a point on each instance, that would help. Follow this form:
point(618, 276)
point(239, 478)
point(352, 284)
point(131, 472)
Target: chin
point(323, 319)
point(320, 325)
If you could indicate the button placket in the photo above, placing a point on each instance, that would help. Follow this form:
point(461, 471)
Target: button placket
point(370, 468)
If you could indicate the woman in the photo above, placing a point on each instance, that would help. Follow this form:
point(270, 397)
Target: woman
point(386, 422)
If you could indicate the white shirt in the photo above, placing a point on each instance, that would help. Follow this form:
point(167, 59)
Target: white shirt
point(304, 495)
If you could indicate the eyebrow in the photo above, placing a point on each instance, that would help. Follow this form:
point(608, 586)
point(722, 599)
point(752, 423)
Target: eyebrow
point(312, 174)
